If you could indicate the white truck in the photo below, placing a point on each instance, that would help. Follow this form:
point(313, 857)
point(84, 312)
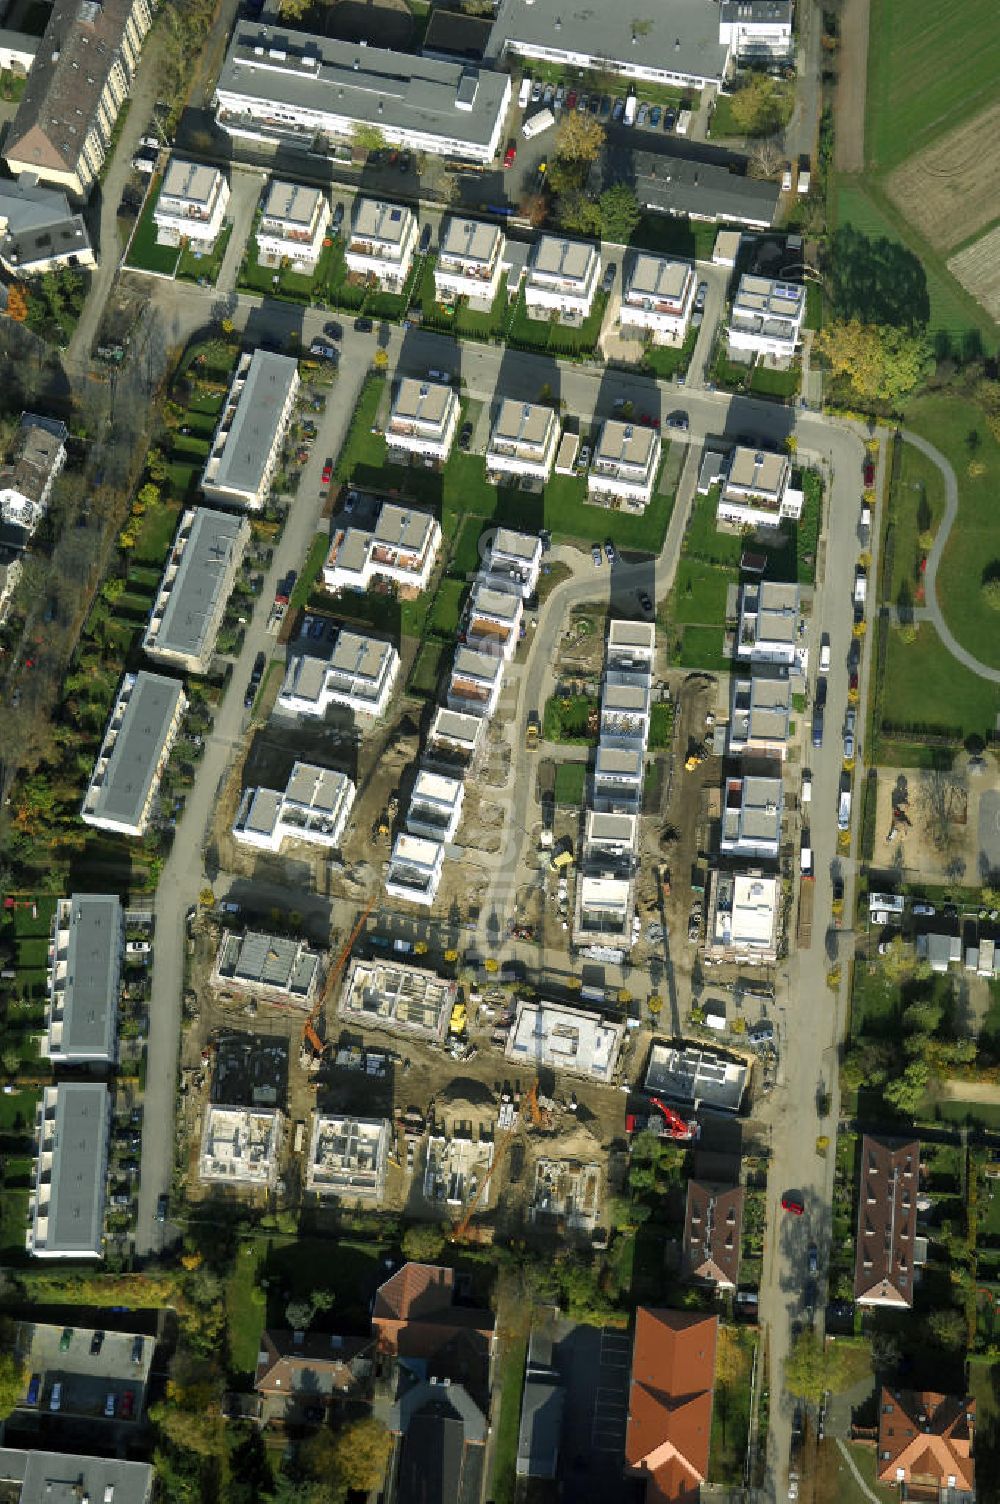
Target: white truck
point(683, 122)
point(525, 94)
point(536, 124)
point(805, 175)
point(860, 588)
point(844, 810)
point(631, 105)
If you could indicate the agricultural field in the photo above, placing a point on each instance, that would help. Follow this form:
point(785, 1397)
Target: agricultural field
point(951, 189)
point(977, 268)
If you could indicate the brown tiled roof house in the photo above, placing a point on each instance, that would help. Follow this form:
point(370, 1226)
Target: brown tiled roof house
point(713, 1227)
point(887, 1222)
point(416, 1320)
point(925, 1443)
point(670, 1403)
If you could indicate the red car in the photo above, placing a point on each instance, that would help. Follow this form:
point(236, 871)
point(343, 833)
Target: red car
point(792, 1202)
point(510, 154)
point(128, 1404)
point(571, 100)
point(852, 683)
point(869, 473)
point(328, 472)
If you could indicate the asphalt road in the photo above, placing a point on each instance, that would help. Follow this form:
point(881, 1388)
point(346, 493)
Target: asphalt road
point(182, 877)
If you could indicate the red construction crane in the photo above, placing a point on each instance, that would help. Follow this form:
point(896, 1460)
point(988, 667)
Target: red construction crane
point(677, 1127)
point(310, 1036)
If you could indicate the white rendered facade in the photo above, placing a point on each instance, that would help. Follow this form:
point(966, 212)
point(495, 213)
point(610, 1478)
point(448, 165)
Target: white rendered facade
point(562, 278)
point(659, 296)
point(143, 726)
point(751, 817)
point(518, 557)
point(756, 491)
point(625, 465)
point(382, 242)
point(247, 441)
point(494, 618)
point(85, 962)
point(314, 806)
point(197, 581)
point(523, 440)
point(470, 260)
point(743, 915)
point(454, 736)
point(39, 455)
point(568, 1039)
point(423, 419)
point(767, 317)
point(191, 205)
point(415, 869)
point(359, 675)
point(292, 225)
point(768, 623)
point(476, 682)
point(72, 1134)
point(435, 807)
point(403, 547)
point(760, 707)
point(758, 31)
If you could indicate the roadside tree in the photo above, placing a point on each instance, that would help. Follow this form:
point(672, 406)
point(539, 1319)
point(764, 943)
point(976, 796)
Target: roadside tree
point(580, 137)
point(881, 363)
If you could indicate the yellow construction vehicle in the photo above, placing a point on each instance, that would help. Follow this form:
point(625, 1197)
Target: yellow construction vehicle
point(459, 1019)
point(561, 861)
point(694, 761)
point(533, 730)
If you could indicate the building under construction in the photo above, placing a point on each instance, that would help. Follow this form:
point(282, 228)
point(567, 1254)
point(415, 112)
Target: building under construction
point(348, 1157)
point(455, 1171)
point(566, 1195)
point(401, 999)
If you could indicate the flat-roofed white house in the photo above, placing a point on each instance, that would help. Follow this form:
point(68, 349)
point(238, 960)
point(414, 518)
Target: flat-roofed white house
point(72, 1132)
point(382, 241)
point(435, 807)
point(476, 681)
point(454, 737)
point(567, 1039)
point(197, 581)
point(348, 1157)
point(751, 817)
point(144, 723)
point(239, 1146)
point(292, 225)
point(658, 297)
point(314, 806)
point(768, 626)
point(359, 675)
point(631, 645)
point(767, 317)
point(562, 278)
point(494, 617)
point(624, 466)
point(760, 706)
point(415, 869)
point(756, 490)
point(626, 701)
point(470, 260)
point(247, 442)
point(402, 547)
point(618, 776)
point(423, 418)
point(191, 204)
point(517, 556)
point(85, 971)
point(523, 440)
point(743, 918)
point(605, 887)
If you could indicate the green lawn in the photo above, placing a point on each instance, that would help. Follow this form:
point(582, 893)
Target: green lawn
point(671, 234)
point(929, 66)
point(925, 687)
point(296, 287)
point(761, 381)
point(701, 591)
point(668, 360)
point(558, 339)
point(571, 783)
point(427, 668)
point(194, 266)
point(310, 571)
point(973, 547)
point(156, 534)
point(703, 647)
point(916, 505)
point(447, 608)
point(510, 1386)
point(143, 253)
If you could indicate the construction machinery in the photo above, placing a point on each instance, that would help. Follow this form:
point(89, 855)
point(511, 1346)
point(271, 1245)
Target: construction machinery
point(533, 731)
point(682, 1130)
point(313, 1046)
point(501, 1144)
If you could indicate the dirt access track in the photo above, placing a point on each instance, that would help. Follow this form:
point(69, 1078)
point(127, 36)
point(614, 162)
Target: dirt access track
point(852, 87)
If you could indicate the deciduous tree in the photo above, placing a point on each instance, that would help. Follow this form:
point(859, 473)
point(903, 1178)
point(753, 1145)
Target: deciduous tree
point(882, 363)
point(577, 212)
point(620, 212)
point(12, 1377)
point(761, 106)
point(423, 1243)
point(580, 137)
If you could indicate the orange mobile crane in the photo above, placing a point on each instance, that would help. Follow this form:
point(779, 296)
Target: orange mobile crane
point(311, 1042)
point(500, 1146)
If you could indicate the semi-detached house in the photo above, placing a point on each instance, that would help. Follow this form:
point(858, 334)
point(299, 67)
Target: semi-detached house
point(191, 204)
point(382, 241)
point(470, 260)
point(298, 89)
point(423, 419)
point(292, 225)
point(659, 296)
point(624, 466)
point(402, 547)
point(523, 440)
point(562, 278)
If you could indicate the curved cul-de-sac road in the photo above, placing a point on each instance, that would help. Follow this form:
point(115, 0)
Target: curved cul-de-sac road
point(933, 608)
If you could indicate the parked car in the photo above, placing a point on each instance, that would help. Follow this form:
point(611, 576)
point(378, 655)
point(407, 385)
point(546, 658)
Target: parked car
point(560, 98)
point(609, 279)
point(465, 437)
point(669, 118)
point(425, 240)
point(644, 601)
point(332, 330)
point(869, 474)
point(34, 1389)
point(583, 458)
point(510, 154)
point(792, 1202)
point(162, 1207)
point(583, 104)
point(678, 420)
point(55, 1398)
point(128, 1404)
point(363, 326)
point(610, 552)
point(549, 94)
point(605, 106)
point(96, 1343)
point(327, 470)
point(761, 1033)
point(595, 554)
point(536, 91)
point(641, 117)
point(700, 296)
point(323, 351)
point(571, 100)
point(655, 116)
point(338, 216)
point(109, 1404)
point(813, 1259)
point(923, 910)
point(618, 111)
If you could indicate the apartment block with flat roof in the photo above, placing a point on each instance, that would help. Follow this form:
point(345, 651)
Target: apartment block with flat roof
point(518, 557)
point(382, 241)
point(198, 579)
point(402, 547)
point(658, 297)
point(523, 440)
point(751, 817)
point(743, 918)
point(435, 807)
point(423, 418)
point(348, 1157)
point(767, 317)
point(69, 1478)
point(191, 204)
point(494, 617)
point(757, 491)
point(886, 1253)
point(562, 278)
point(292, 225)
point(470, 260)
point(573, 1040)
point(247, 442)
point(358, 676)
point(72, 1127)
point(79, 81)
point(605, 885)
point(39, 231)
point(768, 628)
point(144, 723)
point(240, 1146)
point(415, 869)
point(84, 980)
point(277, 967)
point(476, 682)
point(624, 466)
point(309, 92)
point(314, 807)
point(760, 706)
point(37, 457)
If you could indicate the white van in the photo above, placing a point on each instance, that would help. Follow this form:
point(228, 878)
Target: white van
point(683, 122)
point(535, 124)
point(525, 94)
point(824, 654)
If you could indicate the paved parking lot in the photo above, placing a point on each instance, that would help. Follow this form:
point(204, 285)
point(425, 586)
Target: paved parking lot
point(87, 1378)
point(594, 1365)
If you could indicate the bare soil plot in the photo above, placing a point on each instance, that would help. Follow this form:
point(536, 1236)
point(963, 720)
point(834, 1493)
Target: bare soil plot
point(978, 270)
point(951, 189)
point(954, 823)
